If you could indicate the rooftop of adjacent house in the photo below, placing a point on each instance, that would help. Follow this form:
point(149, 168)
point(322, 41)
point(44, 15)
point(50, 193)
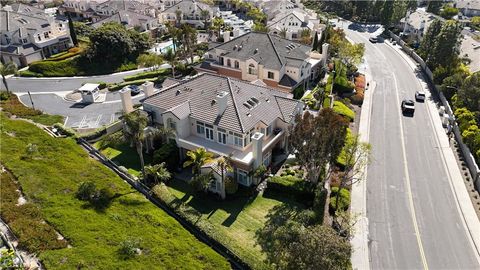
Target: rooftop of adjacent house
point(187, 7)
point(470, 48)
point(125, 17)
point(247, 104)
point(25, 9)
point(128, 5)
point(13, 21)
point(307, 21)
point(19, 49)
point(421, 18)
point(269, 50)
point(467, 4)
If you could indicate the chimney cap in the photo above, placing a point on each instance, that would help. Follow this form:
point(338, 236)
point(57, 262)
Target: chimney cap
point(222, 94)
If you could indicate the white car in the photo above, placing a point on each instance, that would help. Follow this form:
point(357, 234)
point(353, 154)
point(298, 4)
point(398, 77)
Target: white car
point(420, 96)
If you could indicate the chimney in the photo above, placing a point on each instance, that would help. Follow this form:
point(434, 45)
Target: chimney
point(226, 36)
point(222, 99)
point(257, 145)
point(147, 88)
point(306, 18)
point(8, 20)
point(126, 98)
point(325, 47)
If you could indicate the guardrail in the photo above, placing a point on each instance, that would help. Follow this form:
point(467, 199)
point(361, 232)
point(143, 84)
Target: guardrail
point(234, 260)
point(467, 154)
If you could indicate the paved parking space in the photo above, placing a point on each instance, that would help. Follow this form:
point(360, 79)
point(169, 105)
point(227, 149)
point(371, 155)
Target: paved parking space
point(77, 115)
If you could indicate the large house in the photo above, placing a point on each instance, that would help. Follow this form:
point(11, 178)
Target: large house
point(275, 61)
point(226, 116)
point(131, 20)
point(415, 24)
point(291, 24)
point(468, 8)
point(27, 36)
point(190, 12)
point(83, 9)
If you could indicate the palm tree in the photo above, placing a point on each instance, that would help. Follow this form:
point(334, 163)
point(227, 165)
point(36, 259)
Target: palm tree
point(6, 69)
point(171, 57)
point(158, 172)
point(217, 25)
point(174, 33)
point(189, 39)
point(283, 32)
point(135, 123)
point(150, 60)
point(163, 133)
point(306, 36)
point(198, 158)
point(178, 16)
point(205, 14)
point(225, 165)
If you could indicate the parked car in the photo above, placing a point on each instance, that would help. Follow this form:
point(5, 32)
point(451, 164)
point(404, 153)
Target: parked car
point(373, 39)
point(134, 89)
point(420, 96)
point(408, 106)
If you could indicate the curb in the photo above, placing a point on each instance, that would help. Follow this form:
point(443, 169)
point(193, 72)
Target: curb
point(80, 77)
point(464, 205)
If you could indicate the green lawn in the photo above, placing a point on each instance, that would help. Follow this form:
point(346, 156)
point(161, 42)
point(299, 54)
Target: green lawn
point(126, 156)
point(235, 220)
point(50, 178)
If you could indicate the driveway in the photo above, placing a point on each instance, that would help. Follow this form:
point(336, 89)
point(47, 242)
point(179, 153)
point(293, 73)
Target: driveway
point(78, 115)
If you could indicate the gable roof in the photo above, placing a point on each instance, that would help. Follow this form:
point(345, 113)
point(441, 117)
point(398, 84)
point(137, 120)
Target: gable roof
point(122, 17)
point(197, 97)
point(299, 15)
point(13, 21)
point(269, 50)
point(186, 7)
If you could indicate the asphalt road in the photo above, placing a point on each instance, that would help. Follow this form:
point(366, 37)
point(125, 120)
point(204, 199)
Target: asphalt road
point(413, 219)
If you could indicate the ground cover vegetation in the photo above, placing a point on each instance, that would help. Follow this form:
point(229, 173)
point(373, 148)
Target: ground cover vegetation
point(57, 179)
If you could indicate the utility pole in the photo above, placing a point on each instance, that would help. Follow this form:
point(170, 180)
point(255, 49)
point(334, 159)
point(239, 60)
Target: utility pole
point(31, 100)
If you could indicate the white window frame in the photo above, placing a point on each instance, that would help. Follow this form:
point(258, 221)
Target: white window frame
point(242, 177)
point(209, 132)
point(222, 136)
point(201, 128)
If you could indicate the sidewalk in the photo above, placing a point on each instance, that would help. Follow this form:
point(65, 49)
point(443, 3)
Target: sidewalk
point(463, 202)
point(360, 254)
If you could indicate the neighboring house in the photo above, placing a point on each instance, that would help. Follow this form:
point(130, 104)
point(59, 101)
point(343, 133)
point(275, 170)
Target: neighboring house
point(278, 62)
point(26, 38)
point(416, 24)
point(274, 7)
point(26, 9)
point(470, 48)
point(100, 9)
point(131, 20)
point(468, 8)
point(226, 116)
point(83, 9)
point(190, 12)
point(239, 26)
point(291, 24)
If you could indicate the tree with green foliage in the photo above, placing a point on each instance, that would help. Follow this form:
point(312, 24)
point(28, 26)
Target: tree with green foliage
point(189, 40)
point(429, 39)
point(217, 25)
point(290, 241)
point(448, 12)
point(113, 43)
point(135, 124)
point(197, 158)
point(171, 58)
point(150, 60)
point(156, 173)
point(475, 21)
point(175, 33)
point(315, 42)
point(260, 27)
point(317, 141)
point(71, 27)
point(469, 93)
point(205, 14)
point(82, 30)
point(445, 49)
point(306, 36)
point(351, 54)
point(7, 69)
point(433, 6)
point(202, 182)
point(225, 164)
point(387, 13)
point(85, 191)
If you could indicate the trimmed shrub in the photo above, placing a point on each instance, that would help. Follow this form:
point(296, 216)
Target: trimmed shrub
point(147, 75)
point(85, 191)
point(99, 132)
point(167, 153)
point(67, 67)
point(64, 130)
point(343, 110)
point(290, 185)
point(29, 73)
point(343, 199)
point(119, 86)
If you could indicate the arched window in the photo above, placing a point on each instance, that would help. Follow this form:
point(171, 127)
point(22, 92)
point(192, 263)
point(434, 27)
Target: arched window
point(237, 64)
point(252, 70)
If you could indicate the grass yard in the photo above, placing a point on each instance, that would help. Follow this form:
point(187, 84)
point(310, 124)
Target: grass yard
point(49, 179)
point(11, 104)
point(236, 220)
point(124, 155)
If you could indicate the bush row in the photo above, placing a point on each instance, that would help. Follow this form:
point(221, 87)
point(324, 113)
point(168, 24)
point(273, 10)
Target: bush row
point(67, 67)
point(65, 55)
point(467, 122)
point(343, 110)
point(119, 86)
point(343, 199)
point(292, 186)
point(64, 130)
point(26, 220)
point(147, 75)
point(357, 99)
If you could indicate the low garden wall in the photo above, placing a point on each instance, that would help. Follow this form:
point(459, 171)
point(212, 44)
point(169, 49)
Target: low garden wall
point(467, 154)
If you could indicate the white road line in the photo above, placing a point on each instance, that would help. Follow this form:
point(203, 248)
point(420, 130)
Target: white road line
point(82, 122)
point(99, 117)
point(112, 118)
point(407, 180)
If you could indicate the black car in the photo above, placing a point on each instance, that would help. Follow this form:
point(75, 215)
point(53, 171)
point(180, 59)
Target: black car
point(134, 89)
point(373, 39)
point(408, 106)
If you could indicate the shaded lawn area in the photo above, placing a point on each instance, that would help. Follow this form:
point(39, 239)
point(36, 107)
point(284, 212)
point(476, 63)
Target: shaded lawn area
point(237, 219)
point(126, 156)
point(49, 180)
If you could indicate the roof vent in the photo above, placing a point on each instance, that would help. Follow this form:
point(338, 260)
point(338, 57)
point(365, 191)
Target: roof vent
point(255, 51)
point(240, 47)
point(213, 102)
point(249, 114)
point(235, 47)
point(267, 100)
point(247, 105)
point(255, 100)
point(178, 92)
